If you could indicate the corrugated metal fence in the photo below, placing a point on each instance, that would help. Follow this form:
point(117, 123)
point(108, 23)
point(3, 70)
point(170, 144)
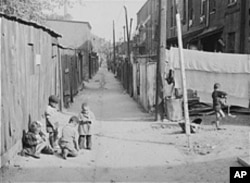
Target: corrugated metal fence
point(29, 74)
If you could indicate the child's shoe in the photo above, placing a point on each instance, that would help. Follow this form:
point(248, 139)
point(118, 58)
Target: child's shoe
point(36, 155)
point(64, 154)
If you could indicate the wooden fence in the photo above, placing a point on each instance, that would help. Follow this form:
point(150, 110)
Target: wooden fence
point(29, 74)
point(77, 66)
point(144, 82)
point(125, 75)
point(93, 64)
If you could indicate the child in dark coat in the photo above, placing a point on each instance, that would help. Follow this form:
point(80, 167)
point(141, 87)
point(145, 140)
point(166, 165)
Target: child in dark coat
point(218, 96)
point(34, 141)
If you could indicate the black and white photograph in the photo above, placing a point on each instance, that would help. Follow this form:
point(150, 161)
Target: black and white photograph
point(112, 91)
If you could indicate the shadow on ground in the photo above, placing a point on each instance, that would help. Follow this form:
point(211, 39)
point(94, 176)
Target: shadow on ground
point(209, 171)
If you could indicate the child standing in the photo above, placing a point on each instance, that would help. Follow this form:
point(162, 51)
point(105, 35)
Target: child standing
point(86, 118)
point(68, 141)
point(51, 121)
point(217, 96)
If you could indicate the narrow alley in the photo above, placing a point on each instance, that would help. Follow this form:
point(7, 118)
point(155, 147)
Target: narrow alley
point(121, 145)
point(167, 83)
point(127, 147)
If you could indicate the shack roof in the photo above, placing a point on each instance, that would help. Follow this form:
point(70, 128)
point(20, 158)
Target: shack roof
point(30, 23)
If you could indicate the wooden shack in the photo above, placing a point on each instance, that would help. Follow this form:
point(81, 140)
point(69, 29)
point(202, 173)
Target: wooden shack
point(29, 74)
point(75, 50)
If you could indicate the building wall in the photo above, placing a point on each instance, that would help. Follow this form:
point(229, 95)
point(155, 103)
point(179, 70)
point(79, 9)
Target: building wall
point(74, 34)
point(29, 74)
point(209, 16)
point(147, 21)
point(247, 27)
point(217, 14)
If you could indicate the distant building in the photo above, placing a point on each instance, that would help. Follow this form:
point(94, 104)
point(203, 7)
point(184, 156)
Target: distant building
point(147, 21)
point(75, 34)
point(76, 47)
point(209, 25)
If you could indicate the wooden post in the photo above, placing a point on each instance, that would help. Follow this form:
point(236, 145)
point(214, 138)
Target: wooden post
point(161, 53)
point(163, 39)
point(60, 78)
point(124, 36)
point(183, 76)
point(128, 38)
point(130, 64)
point(128, 44)
point(1, 88)
point(114, 41)
point(130, 28)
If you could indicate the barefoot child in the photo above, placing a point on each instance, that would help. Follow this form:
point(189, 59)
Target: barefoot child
point(86, 118)
point(217, 96)
point(68, 141)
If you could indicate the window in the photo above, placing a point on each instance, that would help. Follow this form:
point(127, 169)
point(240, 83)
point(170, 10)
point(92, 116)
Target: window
point(203, 7)
point(172, 21)
point(212, 6)
point(231, 2)
point(184, 12)
point(172, 16)
point(203, 11)
point(31, 59)
point(231, 42)
point(190, 13)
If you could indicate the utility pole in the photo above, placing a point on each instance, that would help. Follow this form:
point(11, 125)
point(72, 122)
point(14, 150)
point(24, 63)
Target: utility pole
point(124, 37)
point(128, 43)
point(114, 41)
point(130, 28)
point(161, 57)
point(183, 76)
point(60, 78)
point(128, 38)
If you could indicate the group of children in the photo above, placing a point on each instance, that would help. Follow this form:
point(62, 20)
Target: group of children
point(74, 136)
point(73, 139)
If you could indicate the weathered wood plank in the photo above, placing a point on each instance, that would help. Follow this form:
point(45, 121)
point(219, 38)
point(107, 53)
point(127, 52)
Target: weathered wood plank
point(25, 87)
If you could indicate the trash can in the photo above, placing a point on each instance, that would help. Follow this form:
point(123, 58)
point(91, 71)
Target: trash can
point(174, 109)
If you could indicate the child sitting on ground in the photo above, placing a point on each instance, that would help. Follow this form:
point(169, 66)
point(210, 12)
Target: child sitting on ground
point(68, 141)
point(86, 118)
point(217, 96)
point(34, 141)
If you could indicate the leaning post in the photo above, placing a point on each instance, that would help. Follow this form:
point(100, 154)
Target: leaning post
point(183, 78)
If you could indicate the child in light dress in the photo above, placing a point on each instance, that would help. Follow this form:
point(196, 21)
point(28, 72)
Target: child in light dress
point(86, 120)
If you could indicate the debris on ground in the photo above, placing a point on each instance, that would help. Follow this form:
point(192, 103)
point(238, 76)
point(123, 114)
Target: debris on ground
point(244, 161)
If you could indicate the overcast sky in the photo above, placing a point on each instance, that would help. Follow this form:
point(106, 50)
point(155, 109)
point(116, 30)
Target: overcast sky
point(101, 13)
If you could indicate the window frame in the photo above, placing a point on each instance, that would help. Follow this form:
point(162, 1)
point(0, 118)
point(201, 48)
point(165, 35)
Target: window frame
point(231, 2)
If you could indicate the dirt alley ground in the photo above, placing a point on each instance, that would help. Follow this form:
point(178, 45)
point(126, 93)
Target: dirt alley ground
point(129, 146)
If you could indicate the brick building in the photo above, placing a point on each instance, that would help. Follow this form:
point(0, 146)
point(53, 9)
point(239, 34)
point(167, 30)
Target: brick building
point(147, 21)
point(209, 25)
